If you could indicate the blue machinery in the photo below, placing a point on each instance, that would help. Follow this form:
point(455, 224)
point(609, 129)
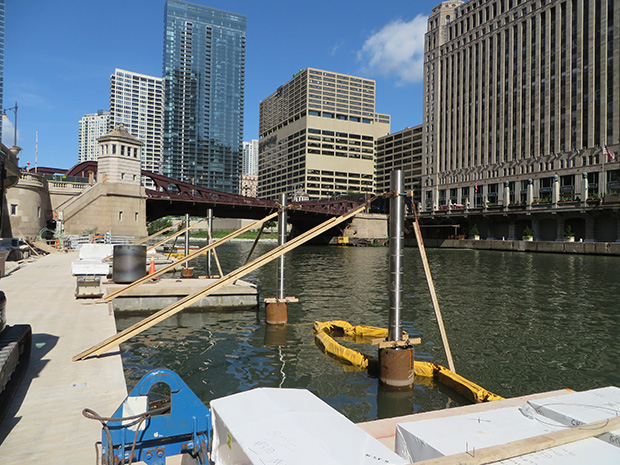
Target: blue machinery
point(151, 434)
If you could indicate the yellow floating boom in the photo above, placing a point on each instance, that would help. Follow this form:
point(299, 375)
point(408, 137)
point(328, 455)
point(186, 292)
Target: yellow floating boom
point(323, 336)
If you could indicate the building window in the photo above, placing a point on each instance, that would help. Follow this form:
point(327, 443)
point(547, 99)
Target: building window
point(113, 149)
point(135, 217)
point(120, 216)
point(13, 209)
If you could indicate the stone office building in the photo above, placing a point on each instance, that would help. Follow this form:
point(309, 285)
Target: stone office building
point(317, 136)
point(521, 96)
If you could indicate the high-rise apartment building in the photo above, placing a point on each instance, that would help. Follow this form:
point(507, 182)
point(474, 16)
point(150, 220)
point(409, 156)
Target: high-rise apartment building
point(250, 157)
point(137, 102)
point(204, 72)
point(91, 127)
point(518, 92)
point(401, 150)
point(317, 136)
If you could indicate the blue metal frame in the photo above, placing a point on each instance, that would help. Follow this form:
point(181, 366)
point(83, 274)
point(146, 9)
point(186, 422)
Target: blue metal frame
point(185, 429)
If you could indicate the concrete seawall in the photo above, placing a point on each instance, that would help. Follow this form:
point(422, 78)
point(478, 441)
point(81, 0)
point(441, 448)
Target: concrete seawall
point(589, 248)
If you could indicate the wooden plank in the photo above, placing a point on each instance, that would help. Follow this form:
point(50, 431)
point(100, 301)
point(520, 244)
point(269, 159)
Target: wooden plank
point(431, 288)
point(224, 281)
point(29, 246)
point(527, 446)
point(183, 260)
point(217, 260)
point(404, 343)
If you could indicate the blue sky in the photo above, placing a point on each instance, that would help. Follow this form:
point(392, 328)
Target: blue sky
point(59, 56)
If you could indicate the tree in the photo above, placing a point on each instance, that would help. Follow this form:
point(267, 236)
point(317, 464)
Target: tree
point(158, 225)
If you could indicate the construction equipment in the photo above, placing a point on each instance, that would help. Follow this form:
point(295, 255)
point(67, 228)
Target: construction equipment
point(143, 431)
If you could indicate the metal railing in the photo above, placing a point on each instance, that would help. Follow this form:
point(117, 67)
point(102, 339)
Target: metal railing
point(107, 238)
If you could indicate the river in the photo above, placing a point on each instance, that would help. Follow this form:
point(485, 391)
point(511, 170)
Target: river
point(517, 323)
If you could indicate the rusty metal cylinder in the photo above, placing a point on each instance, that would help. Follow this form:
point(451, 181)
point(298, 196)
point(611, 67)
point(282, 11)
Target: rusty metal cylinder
point(275, 313)
point(396, 367)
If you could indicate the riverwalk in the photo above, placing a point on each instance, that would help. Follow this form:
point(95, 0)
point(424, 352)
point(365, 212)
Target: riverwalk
point(44, 423)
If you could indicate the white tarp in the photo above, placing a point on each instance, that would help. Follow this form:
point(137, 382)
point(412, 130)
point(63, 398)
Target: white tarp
point(289, 427)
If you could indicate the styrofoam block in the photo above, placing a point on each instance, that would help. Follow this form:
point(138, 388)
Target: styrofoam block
point(89, 268)
point(289, 426)
point(578, 408)
point(427, 439)
point(95, 251)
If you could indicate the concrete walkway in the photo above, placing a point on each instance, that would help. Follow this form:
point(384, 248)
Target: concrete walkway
point(44, 424)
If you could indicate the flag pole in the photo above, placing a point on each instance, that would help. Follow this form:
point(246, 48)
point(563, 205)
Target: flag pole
point(604, 181)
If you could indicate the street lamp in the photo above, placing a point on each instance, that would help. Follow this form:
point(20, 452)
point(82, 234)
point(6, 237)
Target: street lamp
point(14, 110)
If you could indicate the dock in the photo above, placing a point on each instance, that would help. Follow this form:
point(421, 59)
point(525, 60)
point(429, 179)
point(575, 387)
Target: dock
point(155, 295)
point(44, 423)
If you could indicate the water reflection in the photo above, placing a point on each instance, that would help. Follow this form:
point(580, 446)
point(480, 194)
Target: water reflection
point(517, 323)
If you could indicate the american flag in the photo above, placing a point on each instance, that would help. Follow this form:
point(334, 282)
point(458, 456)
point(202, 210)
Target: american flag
point(608, 153)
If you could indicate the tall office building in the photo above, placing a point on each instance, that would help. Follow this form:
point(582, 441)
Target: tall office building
point(250, 157)
point(317, 136)
point(520, 90)
point(137, 102)
point(401, 150)
point(91, 127)
point(204, 72)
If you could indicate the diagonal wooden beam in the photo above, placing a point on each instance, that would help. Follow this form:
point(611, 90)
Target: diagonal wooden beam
point(183, 260)
point(224, 281)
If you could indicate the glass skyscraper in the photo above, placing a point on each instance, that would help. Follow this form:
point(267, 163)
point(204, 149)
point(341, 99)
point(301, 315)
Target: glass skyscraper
point(204, 72)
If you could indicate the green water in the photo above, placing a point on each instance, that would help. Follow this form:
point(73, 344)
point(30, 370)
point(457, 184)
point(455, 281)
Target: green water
point(517, 324)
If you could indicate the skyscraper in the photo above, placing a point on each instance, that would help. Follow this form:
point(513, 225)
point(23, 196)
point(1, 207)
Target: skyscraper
point(250, 157)
point(204, 73)
point(318, 134)
point(401, 150)
point(92, 126)
point(517, 93)
point(137, 102)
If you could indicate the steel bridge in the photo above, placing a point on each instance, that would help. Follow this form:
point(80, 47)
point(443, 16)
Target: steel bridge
point(173, 197)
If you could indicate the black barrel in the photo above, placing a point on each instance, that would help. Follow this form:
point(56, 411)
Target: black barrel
point(128, 263)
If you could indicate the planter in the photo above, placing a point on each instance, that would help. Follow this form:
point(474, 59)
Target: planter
point(528, 238)
point(476, 238)
point(569, 239)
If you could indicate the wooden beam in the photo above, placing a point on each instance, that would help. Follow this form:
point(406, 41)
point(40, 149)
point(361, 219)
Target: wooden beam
point(431, 287)
point(183, 260)
point(224, 281)
point(528, 445)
